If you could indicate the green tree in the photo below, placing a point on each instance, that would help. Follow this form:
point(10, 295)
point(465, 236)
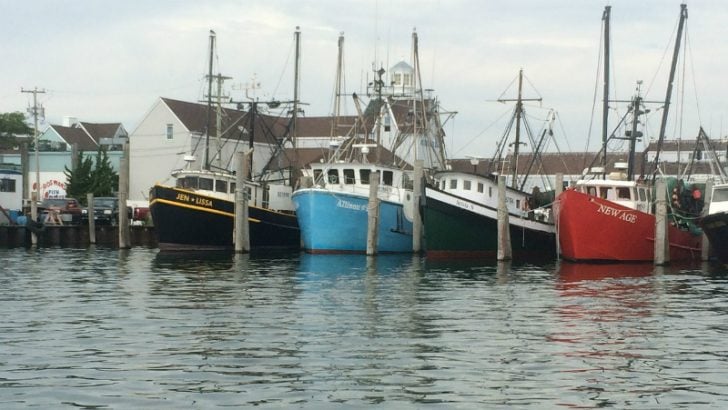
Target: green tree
point(97, 177)
point(12, 124)
point(105, 179)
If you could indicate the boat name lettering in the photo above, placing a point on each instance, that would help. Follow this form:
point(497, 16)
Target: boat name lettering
point(348, 205)
point(463, 204)
point(194, 200)
point(617, 213)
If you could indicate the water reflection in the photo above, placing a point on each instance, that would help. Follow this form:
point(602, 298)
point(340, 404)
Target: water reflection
point(140, 329)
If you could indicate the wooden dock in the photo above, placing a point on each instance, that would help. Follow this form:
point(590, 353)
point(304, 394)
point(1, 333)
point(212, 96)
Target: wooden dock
point(74, 236)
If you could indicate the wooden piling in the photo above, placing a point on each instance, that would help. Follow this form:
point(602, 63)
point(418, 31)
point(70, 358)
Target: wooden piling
point(242, 227)
point(416, 198)
point(705, 251)
point(123, 196)
point(91, 220)
point(662, 250)
point(505, 252)
point(559, 184)
point(373, 214)
point(34, 216)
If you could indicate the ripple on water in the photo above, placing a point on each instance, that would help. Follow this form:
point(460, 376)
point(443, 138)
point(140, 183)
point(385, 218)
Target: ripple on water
point(104, 328)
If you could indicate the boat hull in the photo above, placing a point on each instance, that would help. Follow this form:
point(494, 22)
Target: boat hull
point(595, 229)
point(336, 222)
point(715, 227)
point(457, 227)
point(184, 220)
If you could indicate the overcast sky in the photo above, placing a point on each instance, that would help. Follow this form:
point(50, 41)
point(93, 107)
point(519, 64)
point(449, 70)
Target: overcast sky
point(104, 61)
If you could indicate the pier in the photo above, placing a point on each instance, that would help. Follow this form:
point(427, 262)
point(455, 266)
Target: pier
point(74, 236)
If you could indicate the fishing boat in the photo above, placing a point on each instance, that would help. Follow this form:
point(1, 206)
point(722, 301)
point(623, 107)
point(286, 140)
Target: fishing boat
point(197, 212)
point(461, 219)
point(715, 222)
point(332, 208)
point(610, 216)
point(460, 209)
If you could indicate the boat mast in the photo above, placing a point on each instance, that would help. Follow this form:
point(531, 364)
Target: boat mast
point(416, 77)
point(663, 124)
point(517, 143)
point(209, 103)
point(297, 66)
point(337, 86)
point(636, 102)
point(605, 108)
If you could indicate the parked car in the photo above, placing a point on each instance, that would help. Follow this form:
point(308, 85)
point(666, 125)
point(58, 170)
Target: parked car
point(106, 211)
point(60, 210)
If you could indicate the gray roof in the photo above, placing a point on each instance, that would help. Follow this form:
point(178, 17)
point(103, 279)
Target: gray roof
point(76, 135)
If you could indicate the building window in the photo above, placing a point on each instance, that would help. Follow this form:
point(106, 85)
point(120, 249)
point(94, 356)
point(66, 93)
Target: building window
point(7, 185)
point(170, 131)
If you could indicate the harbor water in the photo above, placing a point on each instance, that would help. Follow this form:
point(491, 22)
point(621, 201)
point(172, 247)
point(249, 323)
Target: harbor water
point(129, 329)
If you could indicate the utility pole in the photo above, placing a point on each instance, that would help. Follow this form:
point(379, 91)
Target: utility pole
point(34, 111)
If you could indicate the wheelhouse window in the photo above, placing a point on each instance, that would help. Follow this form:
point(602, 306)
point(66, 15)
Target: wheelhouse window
point(466, 185)
point(720, 195)
point(317, 175)
point(442, 183)
point(623, 193)
point(232, 187)
point(642, 193)
point(205, 183)
point(333, 176)
point(387, 178)
point(188, 182)
point(490, 191)
point(364, 176)
point(607, 193)
point(453, 184)
point(349, 177)
point(170, 131)
point(480, 187)
point(220, 186)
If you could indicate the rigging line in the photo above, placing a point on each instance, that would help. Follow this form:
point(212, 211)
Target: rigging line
point(534, 88)
point(497, 120)
point(662, 60)
point(285, 66)
point(596, 90)
point(689, 53)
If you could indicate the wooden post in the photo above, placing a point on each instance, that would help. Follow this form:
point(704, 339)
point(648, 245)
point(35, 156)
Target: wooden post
point(559, 185)
point(124, 242)
point(34, 216)
point(242, 226)
point(505, 252)
point(662, 249)
point(416, 198)
point(705, 254)
point(373, 214)
point(74, 156)
point(91, 222)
